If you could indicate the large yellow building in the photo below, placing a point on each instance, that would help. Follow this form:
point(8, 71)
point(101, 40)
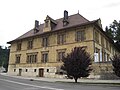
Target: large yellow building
point(39, 51)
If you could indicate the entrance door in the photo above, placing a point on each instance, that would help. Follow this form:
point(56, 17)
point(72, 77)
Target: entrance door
point(20, 72)
point(41, 72)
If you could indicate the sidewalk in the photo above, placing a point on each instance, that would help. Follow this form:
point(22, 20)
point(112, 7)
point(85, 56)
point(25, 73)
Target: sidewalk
point(89, 81)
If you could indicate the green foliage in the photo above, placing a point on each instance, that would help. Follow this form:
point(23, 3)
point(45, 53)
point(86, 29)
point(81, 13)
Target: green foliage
point(113, 31)
point(77, 63)
point(109, 32)
point(4, 57)
point(116, 64)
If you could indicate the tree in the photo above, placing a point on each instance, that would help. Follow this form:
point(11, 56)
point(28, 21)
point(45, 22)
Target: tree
point(77, 63)
point(109, 32)
point(116, 65)
point(4, 57)
point(113, 31)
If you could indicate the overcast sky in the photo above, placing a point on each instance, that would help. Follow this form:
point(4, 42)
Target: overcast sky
point(18, 16)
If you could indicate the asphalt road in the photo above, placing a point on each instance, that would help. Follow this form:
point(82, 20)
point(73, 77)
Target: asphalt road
point(11, 83)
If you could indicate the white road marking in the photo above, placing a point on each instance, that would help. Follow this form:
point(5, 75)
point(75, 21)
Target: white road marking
point(50, 88)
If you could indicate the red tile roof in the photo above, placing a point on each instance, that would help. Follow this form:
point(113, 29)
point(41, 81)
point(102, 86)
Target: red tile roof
point(74, 20)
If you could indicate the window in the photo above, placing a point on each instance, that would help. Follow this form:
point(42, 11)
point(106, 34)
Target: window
point(104, 55)
point(30, 44)
point(17, 58)
point(106, 44)
point(32, 58)
point(97, 55)
point(108, 57)
point(96, 37)
point(44, 57)
point(46, 23)
point(102, 41)
point(47, 70)
point(14, 70)
point(80, 35)
point(101, 54)
point(26, 70)
point(19, 46)
point(35, 70)
point(61, 55)
point(45, 41)
point(61, 39)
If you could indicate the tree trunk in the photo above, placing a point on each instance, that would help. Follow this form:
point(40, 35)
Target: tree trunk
point(75, 79)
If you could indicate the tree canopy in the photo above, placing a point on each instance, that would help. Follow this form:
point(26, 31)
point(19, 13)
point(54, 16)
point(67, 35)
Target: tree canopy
point(4, 57)
point(116, 64)
point(77, 63)
point(113, 31)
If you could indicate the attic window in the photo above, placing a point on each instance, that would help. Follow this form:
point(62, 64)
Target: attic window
point(65, 23)
point(46, 23)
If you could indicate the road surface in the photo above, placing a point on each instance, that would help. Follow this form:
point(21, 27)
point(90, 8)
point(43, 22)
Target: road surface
point(11, 83)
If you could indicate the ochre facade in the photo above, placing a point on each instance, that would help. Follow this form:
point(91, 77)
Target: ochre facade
point(95, 42)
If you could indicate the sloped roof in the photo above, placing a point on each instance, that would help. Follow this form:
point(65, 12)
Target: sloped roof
point(74, 20)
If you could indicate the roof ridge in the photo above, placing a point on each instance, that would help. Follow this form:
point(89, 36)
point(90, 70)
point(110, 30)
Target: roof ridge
point(73, 15)
point(68, 16)
point(74, 19)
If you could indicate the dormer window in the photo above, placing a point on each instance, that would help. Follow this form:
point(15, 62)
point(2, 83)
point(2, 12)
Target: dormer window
point(46, 23)
point(49, 24)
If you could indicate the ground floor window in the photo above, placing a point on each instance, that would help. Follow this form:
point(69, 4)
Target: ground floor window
point(101, 55)
point(97, 55)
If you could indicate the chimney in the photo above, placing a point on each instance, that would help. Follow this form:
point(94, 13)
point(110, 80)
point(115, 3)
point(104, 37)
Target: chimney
point(36, 29)
point(65, 19)
point(36, 23)
point(65, 15)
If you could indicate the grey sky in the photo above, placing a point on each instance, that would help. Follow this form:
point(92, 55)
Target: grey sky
point(18, 16)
